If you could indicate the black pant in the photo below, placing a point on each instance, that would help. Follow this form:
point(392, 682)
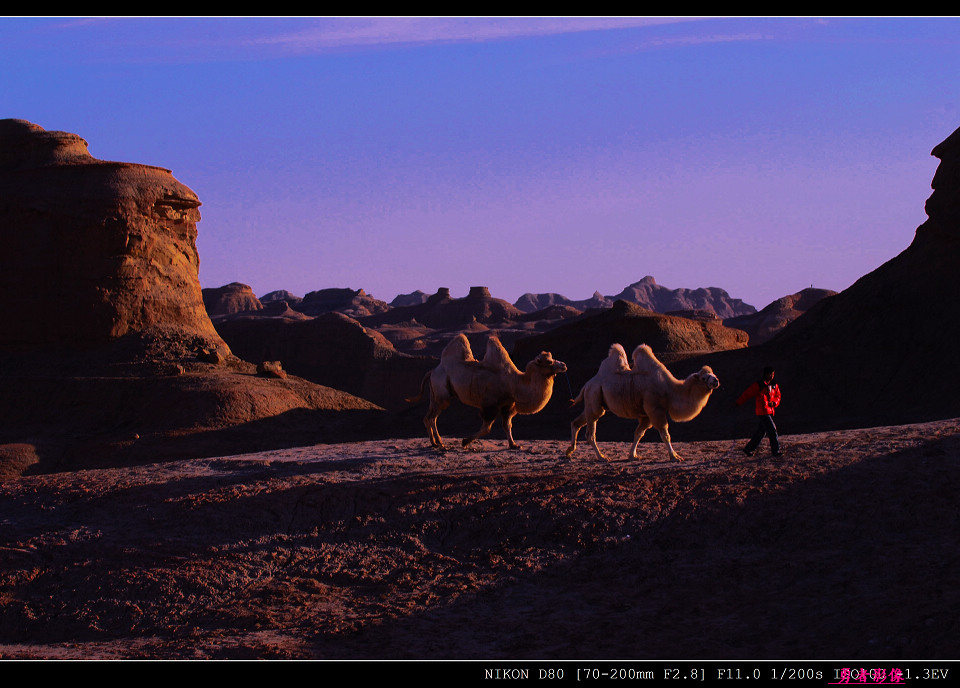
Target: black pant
point(766, 427)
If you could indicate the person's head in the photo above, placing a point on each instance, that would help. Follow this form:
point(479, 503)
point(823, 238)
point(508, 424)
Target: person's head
point(768, 374)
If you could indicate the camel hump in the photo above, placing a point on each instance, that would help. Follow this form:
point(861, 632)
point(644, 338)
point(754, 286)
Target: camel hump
point(458, 350)
point(496, 357)
point(645, 361)
point(616, 361)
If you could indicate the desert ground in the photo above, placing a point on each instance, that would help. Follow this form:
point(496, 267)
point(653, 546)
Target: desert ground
point(844, 548)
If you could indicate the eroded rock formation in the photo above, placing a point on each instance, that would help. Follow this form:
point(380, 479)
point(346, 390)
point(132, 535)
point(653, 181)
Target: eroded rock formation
point(93, 250)
point(353, 303)
point(414, 298)
point(331, 349)
point(109, 356)
point(280, 295)
point(230, 299)
point(441, 311)
point(648, 294)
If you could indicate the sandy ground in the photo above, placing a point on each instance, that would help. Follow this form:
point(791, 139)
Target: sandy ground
point(845, 548)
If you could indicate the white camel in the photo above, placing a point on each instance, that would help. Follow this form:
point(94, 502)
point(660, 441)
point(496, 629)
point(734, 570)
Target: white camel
point(647, 392)
point(494, 385)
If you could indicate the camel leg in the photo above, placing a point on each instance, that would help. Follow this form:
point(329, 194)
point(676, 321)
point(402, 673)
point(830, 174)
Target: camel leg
point(592, 436)
point(575, 426)
point(506, 414)
point(660, 423)
point(430, 420)
point(643, 424)
point(488, 415)
point(665, 436)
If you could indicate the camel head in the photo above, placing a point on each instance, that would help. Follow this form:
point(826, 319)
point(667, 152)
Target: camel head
point(545, 364)
point(707, 378)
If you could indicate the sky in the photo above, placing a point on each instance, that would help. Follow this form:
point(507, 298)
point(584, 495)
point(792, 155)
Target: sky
point(761, 155)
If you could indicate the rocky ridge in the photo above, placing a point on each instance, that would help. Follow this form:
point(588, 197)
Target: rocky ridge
point(648, 294)
point(768, 322)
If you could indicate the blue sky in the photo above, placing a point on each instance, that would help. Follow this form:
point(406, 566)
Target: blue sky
point(570, 155)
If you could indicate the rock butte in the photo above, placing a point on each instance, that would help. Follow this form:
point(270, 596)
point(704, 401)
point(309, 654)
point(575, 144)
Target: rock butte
point(109, 356)
point(94, 250)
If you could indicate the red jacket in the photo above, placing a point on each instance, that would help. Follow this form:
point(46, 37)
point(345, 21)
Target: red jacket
point(768, 397)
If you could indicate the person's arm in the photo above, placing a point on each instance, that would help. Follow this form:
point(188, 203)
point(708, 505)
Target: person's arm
point(748, 393)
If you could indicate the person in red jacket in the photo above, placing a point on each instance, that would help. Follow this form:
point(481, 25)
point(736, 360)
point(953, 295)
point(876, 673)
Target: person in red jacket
point(767, 395)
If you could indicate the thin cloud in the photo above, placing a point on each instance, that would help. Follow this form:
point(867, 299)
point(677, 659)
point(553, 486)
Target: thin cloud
point(712, 38)
point(203, 39)
point(338, 33)
point(183, 39)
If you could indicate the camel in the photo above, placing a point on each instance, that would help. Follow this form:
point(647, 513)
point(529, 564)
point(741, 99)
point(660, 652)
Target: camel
point(647, 391)
point(494, 385)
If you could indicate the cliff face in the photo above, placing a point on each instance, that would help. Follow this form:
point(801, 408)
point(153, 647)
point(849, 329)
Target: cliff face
point(943, 206)
point(882, 340)
point(93, 250)
point(882, 351)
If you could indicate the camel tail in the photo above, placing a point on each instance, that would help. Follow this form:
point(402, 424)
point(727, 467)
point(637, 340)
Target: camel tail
point(423, 387)
point(574, 402)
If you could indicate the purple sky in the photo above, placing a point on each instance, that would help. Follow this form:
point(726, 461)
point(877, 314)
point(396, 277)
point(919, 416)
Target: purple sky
point(570, 155)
